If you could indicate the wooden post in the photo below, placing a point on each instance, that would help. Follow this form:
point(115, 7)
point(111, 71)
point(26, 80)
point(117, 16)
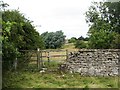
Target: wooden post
point(41, 61)
point(66, 54)
point(119, 70)
point(48, 57)
point(15, 62)
point(38, 58)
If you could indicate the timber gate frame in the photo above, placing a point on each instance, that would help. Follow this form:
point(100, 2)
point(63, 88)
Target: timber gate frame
point(39, 56)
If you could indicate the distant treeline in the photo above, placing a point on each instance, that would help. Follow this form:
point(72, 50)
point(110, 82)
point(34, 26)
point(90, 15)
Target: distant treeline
point(80, 42)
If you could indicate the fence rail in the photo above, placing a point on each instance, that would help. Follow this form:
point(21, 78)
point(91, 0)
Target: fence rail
point(40, 56)
point(55, 56)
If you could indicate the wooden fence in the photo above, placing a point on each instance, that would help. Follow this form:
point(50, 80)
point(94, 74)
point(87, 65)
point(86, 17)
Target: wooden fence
point(41, 54)
point(46, 54)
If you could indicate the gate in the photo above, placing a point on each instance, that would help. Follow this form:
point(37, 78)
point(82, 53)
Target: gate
point(51, 59)
point(38, 59)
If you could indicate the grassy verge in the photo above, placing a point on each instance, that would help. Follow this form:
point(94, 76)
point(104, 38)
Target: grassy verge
point(27, 79)
point(54, 79)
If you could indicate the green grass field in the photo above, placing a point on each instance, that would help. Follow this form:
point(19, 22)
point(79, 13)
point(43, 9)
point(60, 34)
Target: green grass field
point(53, 78)
point(56, 80)
point(68, 46)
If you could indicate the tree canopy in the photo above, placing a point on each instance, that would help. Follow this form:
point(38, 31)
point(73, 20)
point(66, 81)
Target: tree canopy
point(53, 40)
point(18, 33)
point(72, 40)
point(104, 23)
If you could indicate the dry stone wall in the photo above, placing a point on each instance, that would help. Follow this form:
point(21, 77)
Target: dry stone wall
point(94, 62)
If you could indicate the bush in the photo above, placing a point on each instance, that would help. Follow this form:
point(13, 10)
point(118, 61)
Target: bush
point(80, 44)
point(17, 33)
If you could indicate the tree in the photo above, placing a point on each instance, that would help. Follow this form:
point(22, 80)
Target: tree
point(80, 44)
point(53, 40)
point(3, 5)
point(81, 38)
point(18, 34)
point(86, 38)
point(72, 40)
point(104, 22)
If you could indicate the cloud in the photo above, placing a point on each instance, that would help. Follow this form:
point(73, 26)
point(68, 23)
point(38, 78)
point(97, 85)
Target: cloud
point(54, 15)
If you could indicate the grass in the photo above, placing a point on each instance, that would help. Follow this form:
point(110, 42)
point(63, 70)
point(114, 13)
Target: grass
point(29, 79)
point(68, 46)
point(34, 79)
point(55, 79)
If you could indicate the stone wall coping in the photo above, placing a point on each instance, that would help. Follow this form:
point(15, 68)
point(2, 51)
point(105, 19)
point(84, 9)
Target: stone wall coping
point(94, 50)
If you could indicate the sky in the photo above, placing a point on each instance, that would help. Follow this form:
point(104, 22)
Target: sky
point(55, 15)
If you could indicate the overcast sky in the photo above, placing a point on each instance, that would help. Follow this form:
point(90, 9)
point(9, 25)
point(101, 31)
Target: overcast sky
point(54, 15)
